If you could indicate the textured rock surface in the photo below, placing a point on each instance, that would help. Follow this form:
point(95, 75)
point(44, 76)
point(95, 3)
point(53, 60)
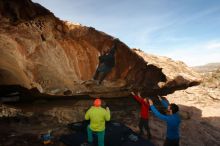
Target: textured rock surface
point(199, 109)
point(37, 50)
point(178, 75)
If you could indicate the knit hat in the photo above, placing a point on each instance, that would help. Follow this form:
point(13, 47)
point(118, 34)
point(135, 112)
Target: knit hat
point(97, 102)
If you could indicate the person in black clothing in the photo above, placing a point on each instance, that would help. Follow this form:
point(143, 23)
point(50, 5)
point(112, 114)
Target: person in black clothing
point(106, 63)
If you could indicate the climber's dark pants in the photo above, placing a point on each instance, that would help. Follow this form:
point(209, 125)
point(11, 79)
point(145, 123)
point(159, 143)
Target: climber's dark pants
point(143, 124)
point(101, 73)
point(100, 76)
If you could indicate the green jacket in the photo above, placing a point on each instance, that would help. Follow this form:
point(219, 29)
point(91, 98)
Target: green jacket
point(97, 117)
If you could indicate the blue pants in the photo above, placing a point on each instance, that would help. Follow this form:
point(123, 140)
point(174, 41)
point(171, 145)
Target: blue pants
point(100, 134)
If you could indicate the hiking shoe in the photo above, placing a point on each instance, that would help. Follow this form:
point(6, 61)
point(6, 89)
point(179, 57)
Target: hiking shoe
point(133, 137)
point(98, 83)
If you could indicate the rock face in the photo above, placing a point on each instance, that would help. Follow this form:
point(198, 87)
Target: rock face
point(178, 75)
point(199, 109)
point(37, 50)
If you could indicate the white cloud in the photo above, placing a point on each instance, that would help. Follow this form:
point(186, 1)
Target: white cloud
point(213, 45)
point(199, 54)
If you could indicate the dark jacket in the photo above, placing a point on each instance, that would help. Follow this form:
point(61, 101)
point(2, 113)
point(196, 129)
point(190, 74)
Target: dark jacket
point(108, 59)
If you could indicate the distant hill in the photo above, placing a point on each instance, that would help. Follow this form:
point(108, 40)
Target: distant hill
point(210, 73)
point(207, 68)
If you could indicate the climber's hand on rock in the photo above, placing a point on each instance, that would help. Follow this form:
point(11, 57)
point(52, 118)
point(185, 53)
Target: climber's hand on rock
point(139, 94)
point(151, 102)
point(160, 98)
point(133, 93)
point(115, 39)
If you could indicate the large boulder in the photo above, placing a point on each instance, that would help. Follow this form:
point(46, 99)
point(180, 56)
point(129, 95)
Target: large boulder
point(37, 50)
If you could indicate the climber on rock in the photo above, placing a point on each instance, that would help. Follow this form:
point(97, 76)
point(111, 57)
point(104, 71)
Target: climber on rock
point(97, 116)
point(106, 63)
point(144, 115)
point(172, 119)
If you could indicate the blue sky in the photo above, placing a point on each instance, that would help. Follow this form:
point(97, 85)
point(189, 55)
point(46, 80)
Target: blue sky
point(186, 30)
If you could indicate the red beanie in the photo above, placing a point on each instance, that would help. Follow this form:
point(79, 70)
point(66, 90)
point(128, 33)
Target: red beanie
point(97, 102)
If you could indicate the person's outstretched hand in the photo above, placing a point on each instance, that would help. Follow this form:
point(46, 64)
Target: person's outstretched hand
point(139, 94)
point(107, 108)
point(115, 39)
point(151, 102)
point(160, 98)
point(133, 93)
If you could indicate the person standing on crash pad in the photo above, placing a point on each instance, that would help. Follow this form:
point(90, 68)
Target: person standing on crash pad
point(106, 63)
point(97, 116)
point(144, 115)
